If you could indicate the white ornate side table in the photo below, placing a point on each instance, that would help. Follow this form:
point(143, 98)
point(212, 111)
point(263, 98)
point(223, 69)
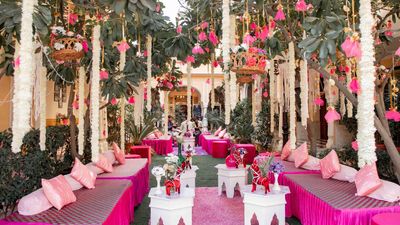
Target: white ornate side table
point(188, 177)
point(230, 177)
point(171, 209)
point(264, 207)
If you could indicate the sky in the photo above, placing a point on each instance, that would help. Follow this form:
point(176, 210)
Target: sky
point(171, 8)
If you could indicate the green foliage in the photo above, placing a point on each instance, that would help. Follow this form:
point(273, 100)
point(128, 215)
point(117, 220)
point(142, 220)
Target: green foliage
point(215, 119)
point(137, 133)
point(241, 127)
point(21, 173)
point(262, 133)
point(178, 46)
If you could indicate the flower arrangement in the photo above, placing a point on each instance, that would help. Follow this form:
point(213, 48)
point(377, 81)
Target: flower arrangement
point(167, 82)
point(67, 45)
point(61, 119)
point(248, 60)
point(276, 167)
point(264, 163)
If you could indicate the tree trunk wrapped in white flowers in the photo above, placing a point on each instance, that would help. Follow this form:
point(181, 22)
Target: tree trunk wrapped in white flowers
point(95, 94)
point(292, 96)
point(226, 57)
point(81, 103)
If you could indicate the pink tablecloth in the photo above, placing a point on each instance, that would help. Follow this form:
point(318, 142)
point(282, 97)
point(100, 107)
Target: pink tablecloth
point(207, 140)
point(162, 146)
point(317, 201)
point(110, 203)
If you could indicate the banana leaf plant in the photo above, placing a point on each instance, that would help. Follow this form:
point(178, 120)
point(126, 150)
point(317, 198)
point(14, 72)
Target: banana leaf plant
point(137, 133)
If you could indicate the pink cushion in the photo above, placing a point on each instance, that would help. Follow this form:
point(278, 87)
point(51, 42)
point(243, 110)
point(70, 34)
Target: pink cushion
point(92, 167)
point(75, 185)
point(286, 151)
point(346, 173)
point(110, 156)
point(367, 180)
point(222, 133)
point(329, 165)
point(83, 174)
point(226, 136)
point(34, 203)
point(103, 164)
point(391, 218)
point(389, 192)
point(300, 155)
point(217, 131)
point(58, 191)
point(312, 164)
point(119, 154)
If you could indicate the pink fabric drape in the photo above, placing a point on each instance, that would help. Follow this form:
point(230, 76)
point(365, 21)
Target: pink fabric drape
point(207, 140)
point(161, 146)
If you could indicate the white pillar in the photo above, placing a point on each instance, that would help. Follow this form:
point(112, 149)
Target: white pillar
point(226, 56)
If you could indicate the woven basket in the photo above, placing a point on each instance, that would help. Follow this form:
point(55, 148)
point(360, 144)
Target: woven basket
point(68, 53)
point(244, 79)
point(239, 63)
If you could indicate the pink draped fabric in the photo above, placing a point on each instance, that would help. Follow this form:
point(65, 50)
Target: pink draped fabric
point(315, 201)
point(110, 203)
point(135, 170)
point(206, 142)
point(162, 146)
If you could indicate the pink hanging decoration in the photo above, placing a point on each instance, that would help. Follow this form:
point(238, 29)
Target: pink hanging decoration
point(253, 26)
point(251, 61)
point(119, 120)
point(265, 94)
point(145, 53)
point(389, 31)
point(207, 49)
point(215, 64)
point(131, 100)
point(72, 18)
point(179, 29)
point(208, 81)
point(397, 52)
point(197, 49)
point(280, 15)
point(213, 38)
point(354, 85)
point(319, 102)
point(392, 114)
point(271, 24)
point(332, 115)
point(169, 85)
point(85, 46)
point(192, 90)
point(123, 47)
point(254, 76)
point(17, 62)
point(301, 6)
point(351, 46)
point(204, 25)
point(75, 105)
point(202, 36)
point(190, 59)
point(114, 101)
point(248, 39)
point(158, 7)
point(264, 33)
point(103, 75)
point(354, 145)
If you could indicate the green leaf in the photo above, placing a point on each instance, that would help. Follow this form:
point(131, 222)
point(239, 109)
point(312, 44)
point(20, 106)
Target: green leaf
point(331, 19)
point(306, 42)
point(119, 6)
point(323, 50)
point(333, 34)
point(313, 46)
point(331, 45)
point(310, 19)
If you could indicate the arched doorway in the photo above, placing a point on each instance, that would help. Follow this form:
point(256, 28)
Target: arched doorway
point(178, 103)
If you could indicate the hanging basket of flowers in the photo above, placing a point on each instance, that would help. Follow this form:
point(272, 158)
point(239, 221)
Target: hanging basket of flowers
point(67, 46)
point(248, 61)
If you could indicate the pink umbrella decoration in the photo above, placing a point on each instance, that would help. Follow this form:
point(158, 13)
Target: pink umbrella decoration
point(114, 101)
point(332, 115)
point(213, 38)
point(351, 46)
point(123, 47)
point(354, 145)
point(103, 74)
point(131, 100)
point(354, 85)
point(392, 114)
point(197, 49)
point(202, 36)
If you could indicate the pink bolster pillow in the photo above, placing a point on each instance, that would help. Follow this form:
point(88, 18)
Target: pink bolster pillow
point(286, 151)
point(312, 164)
point(346, 173)
point(119, 154)
point(217, 131)
point(34, 203)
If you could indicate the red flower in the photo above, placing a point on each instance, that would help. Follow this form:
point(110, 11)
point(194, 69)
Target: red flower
point(251, 61)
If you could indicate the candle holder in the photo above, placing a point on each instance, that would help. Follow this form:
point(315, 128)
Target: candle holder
point(158, 172)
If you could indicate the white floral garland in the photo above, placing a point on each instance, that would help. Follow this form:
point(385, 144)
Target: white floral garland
point(212, 82)
point(272, 94)
point(166, 112)
point(225, 56)
point(348, 78)
point(122, 61)
point(149, 54)
point(42, 114)
point(81, 110)
point(292, 96)
point(189, 91)
point(304, 92)
point(365, 109)
point(233, 78)
point(95, 93)
point(342, 104)
point(22, 99)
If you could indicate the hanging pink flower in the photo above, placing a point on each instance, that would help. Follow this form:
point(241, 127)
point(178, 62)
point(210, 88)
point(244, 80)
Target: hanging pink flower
point(397, 52)
point(254, 76)
point(280, 15)
point(301, 6)
point(262, 64)
point(85, 46)
point(145, 53)
point(392, 114)
point(207, 49)
point(271, 23)
point(103, 74)
point(354, 145)
point(204, 25)
point(131, 100)
point(213, 38)
point(75, 105)
point(208, 81)
point(319, 102)
point(265, 94)
point(17, 62)
point(197, 49)
point(202, 36)
point(332, 115)
point(248, 39)
point(189, 59)
point(73, 18)
point(158, 7)
point(123, 47)
point(114, 101)
point(179, 29)
point(351, 46)
point(347, 69)
point(354, 85)
point(119, 120)
point(264, 33)
point(389, 31)
point(215, 64)
point(169, 85)
point(253, 26)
